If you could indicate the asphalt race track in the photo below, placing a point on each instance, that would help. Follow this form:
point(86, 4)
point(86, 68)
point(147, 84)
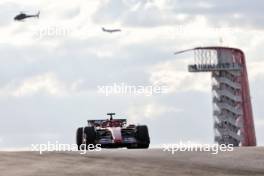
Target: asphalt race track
point(123, 162)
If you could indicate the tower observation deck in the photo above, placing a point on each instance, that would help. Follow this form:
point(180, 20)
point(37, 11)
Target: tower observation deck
point(232, 109)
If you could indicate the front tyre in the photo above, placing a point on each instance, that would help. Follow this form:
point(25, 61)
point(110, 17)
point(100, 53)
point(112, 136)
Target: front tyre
point(79, 137)
point(142, 136)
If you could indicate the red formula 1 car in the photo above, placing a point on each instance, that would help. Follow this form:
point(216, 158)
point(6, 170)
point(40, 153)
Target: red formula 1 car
point(113, 133)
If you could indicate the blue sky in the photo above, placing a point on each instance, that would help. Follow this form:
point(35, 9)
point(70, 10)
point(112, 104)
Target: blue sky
point(51, 67)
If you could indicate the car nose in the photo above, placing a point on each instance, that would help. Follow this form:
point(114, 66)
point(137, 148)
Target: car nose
point(118, 141)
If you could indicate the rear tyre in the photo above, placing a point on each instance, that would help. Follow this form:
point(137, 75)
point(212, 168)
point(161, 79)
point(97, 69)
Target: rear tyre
point(142, 136)
point(79, 137)
point(90, 135)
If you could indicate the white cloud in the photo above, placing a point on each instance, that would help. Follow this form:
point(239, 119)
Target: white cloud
point(255, 70)
point(46, 83)
point(175, 75)
point(43, 83)
point(150, 111)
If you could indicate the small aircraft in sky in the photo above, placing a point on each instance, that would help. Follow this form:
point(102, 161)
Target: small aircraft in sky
point(111, 30)
point(22, 16)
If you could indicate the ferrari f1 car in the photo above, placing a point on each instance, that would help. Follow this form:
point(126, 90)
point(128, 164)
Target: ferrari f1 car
point(113, 133)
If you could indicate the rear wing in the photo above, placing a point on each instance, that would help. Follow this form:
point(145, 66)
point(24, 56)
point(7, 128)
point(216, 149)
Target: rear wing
point(100, 122)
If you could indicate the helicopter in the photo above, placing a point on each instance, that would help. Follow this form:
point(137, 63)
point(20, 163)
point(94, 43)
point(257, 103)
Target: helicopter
point(22, 16)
